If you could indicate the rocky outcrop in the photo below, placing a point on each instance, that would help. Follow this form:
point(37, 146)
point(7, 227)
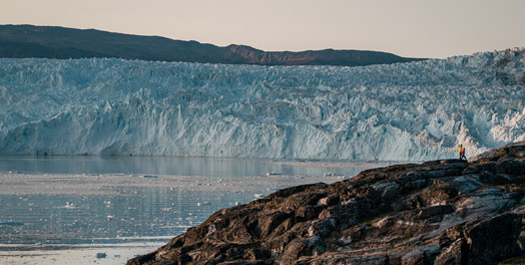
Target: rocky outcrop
point(438, 212)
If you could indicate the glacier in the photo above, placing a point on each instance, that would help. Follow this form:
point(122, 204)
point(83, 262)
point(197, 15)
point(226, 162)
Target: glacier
point(399, 112)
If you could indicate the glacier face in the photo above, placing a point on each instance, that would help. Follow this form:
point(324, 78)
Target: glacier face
point(400, 112)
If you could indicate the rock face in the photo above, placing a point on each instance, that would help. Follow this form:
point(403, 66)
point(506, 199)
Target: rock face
point(438, 212)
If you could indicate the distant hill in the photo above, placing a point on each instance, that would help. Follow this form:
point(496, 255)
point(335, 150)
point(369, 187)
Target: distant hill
point(23, 41)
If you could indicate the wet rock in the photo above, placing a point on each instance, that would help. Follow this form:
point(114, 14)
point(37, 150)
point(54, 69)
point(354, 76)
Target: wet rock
point(438, 212)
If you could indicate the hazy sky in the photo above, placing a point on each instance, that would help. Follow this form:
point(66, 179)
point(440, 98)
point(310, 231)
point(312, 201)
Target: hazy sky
point(414, 28)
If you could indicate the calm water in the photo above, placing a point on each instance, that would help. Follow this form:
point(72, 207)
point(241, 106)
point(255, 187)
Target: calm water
point(183, 166)
point(48, 202)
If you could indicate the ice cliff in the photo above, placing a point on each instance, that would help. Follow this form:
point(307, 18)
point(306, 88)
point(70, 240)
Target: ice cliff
point(399, 112)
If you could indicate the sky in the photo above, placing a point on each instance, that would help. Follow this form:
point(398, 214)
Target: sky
point(410, 28)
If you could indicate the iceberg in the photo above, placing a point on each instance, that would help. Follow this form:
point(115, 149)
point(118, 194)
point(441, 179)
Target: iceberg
point(400, 112)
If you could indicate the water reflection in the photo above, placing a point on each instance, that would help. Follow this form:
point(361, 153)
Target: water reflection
point(186, 166)
point(73, 208)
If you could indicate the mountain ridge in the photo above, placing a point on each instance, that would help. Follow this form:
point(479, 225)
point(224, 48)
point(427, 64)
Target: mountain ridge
point(26, 41)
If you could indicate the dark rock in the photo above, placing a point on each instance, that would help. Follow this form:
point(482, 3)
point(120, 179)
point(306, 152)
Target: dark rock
point(438, 212)
point(489, 240)
point(451, 255)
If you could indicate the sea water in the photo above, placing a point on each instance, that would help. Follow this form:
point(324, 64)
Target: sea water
point(135, 204)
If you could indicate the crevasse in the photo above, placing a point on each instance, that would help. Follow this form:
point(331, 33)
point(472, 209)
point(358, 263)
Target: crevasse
point(399, 112)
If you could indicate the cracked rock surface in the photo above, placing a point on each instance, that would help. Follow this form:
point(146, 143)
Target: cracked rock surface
point(437, 212)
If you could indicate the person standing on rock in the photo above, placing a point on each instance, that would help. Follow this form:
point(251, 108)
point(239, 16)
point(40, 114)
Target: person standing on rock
point(462, 153)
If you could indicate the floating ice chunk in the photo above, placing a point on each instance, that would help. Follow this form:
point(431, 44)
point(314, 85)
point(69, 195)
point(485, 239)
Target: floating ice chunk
point(258, 195)
point(69, 206)
point(331, 174)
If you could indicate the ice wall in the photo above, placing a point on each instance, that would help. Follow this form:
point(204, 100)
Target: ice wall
point(410, 111)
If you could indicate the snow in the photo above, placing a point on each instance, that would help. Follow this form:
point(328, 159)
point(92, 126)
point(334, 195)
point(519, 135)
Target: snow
point(401, 112)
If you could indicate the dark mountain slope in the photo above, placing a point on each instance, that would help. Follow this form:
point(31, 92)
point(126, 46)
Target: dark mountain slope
point(22, 41)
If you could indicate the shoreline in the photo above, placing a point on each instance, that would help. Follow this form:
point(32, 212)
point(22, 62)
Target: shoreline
point(339, 164)
point(83, 254)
